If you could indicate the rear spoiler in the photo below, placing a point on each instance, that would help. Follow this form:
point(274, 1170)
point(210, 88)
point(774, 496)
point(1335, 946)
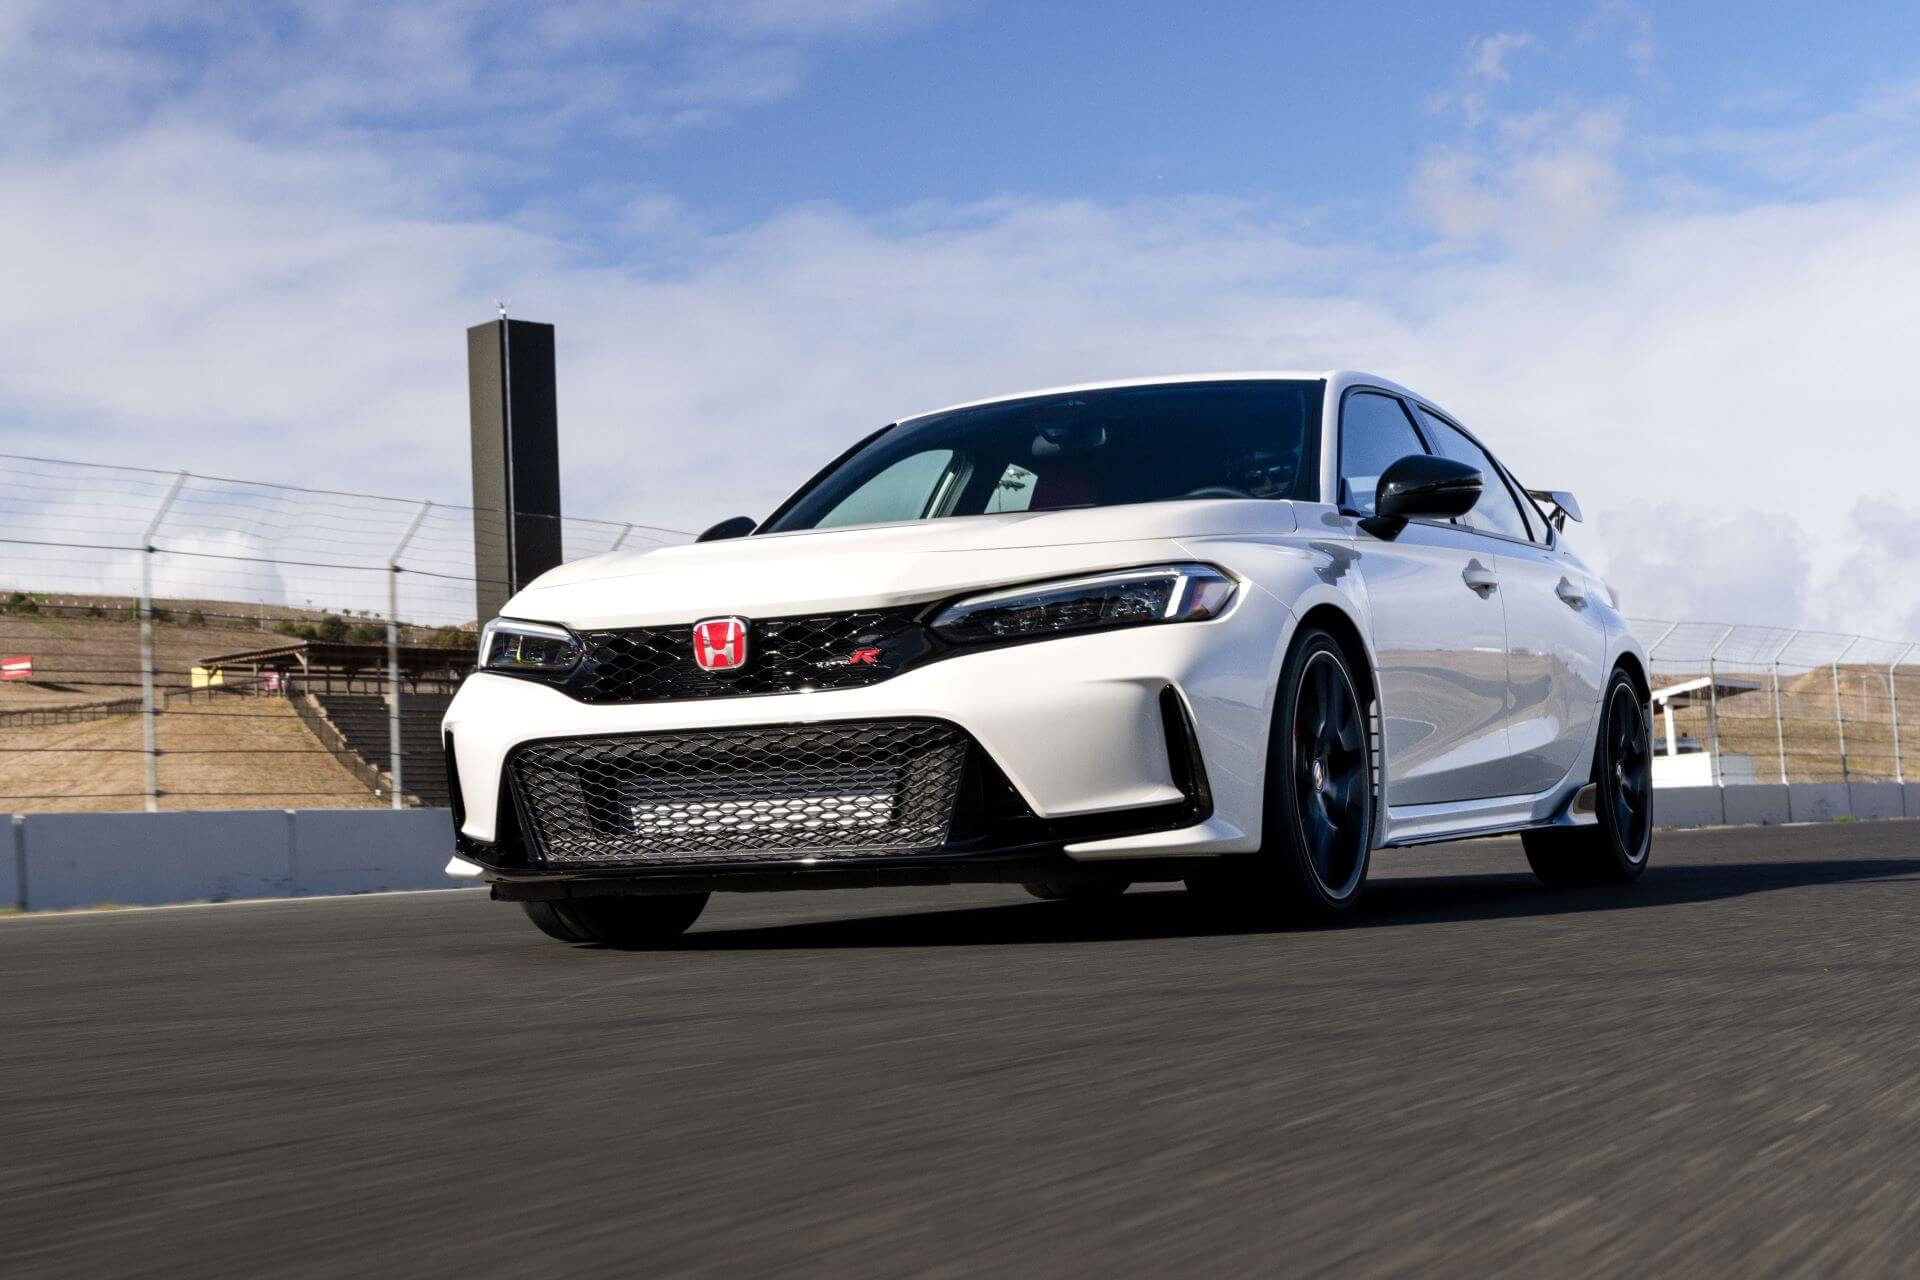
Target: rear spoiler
point(1564, 506)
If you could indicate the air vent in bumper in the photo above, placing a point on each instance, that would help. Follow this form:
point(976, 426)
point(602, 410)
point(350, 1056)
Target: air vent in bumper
point(838, 790)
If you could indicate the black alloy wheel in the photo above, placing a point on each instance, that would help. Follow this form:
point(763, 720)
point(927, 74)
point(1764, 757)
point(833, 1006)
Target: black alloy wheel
point(1318, 820)
point(1628, 781)
point(1613, 849)
point(1332, 788)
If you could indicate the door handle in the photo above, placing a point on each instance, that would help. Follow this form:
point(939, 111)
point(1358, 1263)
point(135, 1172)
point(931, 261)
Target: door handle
point(1480, 578)
point(1571, 593)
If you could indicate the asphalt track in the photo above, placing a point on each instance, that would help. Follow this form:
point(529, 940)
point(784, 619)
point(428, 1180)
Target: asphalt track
point(1714, 1072)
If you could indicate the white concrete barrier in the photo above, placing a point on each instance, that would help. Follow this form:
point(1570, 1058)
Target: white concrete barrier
point(1758, 806)
point(84, 859)
point(1876, 801)
point(11, 861)
point(1688, 807)
point(1820, 801)
point(370, 850)
point(53, 860)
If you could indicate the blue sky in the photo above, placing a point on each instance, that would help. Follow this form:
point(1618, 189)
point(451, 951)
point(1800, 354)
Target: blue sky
point(1660, 253)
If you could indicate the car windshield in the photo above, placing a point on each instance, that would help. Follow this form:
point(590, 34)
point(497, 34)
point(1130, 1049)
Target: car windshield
point(1103, 448)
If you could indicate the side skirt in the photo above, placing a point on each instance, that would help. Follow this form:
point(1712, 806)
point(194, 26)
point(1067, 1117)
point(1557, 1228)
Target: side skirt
point(1563, 806)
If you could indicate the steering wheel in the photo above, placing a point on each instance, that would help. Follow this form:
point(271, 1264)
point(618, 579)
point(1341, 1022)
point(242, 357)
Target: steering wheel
point(1217, 491)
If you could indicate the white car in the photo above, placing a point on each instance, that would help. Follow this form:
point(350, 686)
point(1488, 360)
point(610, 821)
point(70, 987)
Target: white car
point(1236, 630)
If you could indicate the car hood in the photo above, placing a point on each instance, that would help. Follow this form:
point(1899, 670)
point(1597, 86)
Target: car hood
point(875, 566)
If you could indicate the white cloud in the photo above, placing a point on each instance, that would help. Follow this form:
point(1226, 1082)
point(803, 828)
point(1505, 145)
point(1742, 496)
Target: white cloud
point(1722, 381)
point(1856, 147)
point(1544, 180)
point(1487, 57)
point(484, 73)
point(1630, 24)
point(1683, 561)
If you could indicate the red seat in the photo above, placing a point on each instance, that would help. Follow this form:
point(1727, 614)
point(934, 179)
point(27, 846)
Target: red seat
point(1060, 487)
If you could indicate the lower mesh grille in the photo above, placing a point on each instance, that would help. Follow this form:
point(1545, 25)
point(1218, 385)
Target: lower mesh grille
point(845, 789)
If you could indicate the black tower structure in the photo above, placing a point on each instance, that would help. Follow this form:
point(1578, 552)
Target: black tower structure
point(516, 458)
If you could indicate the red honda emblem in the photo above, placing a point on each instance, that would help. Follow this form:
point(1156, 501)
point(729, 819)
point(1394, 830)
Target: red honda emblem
point(720, 644)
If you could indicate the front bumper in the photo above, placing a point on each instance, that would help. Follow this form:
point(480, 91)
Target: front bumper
point(1076, 727)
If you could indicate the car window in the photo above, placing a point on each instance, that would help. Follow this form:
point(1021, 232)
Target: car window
point(1375, 433)
point(1013, 491)
point(1100, 447)
point(1497, 511)
point(904, 491)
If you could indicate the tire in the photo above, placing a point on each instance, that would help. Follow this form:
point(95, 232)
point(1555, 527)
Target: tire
point(1077, 890)
point(1318, 816)
point(1614, 850)
point(634, 921)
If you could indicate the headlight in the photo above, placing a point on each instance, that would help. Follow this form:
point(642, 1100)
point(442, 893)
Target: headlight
point(1129, 598)
point(508, 644)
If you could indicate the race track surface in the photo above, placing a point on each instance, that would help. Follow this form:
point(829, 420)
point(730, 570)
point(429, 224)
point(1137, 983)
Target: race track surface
point(1714, 1072)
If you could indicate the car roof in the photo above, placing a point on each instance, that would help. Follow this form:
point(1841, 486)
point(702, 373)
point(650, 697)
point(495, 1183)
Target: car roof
point(1337, 379)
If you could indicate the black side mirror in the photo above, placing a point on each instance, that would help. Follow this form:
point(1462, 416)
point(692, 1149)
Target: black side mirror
point(1421, 484)
point(738, 527)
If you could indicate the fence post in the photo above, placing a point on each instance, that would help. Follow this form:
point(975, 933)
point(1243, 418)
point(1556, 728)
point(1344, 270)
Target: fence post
point(1713, 708)
point(620, 541)
point(1779, 722)
point(393, 652)
point(1893, 702)
point(1840, 720)
point(149, 735)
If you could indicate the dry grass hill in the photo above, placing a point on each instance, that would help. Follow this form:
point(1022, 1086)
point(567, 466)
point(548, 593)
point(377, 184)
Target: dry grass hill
point(1812, 736)
point(216, 752)
point(225, 749)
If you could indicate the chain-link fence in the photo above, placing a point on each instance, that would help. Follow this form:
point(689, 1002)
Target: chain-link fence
point(171, 640)
point(1765, 704)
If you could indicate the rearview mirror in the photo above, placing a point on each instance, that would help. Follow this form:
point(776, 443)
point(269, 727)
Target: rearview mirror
point(1421, 484)
point(738, 527)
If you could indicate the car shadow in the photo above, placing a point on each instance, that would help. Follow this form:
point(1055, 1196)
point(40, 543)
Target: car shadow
point(1391, 902)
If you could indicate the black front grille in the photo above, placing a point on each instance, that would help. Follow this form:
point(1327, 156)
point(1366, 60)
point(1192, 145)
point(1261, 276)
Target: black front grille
point(836, 790)
point(784, 655)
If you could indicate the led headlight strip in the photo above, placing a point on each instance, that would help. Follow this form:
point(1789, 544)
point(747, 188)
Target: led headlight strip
point(508, 644)
point(1127, 598)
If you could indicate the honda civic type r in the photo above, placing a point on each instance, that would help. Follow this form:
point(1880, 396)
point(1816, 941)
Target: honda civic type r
point(1237, 630)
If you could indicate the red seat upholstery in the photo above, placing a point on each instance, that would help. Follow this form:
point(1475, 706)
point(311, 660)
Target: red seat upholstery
point(1060, 486)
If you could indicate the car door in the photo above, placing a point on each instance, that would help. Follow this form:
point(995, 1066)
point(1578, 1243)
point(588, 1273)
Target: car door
point(1556, 645)
point(1437, 622)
